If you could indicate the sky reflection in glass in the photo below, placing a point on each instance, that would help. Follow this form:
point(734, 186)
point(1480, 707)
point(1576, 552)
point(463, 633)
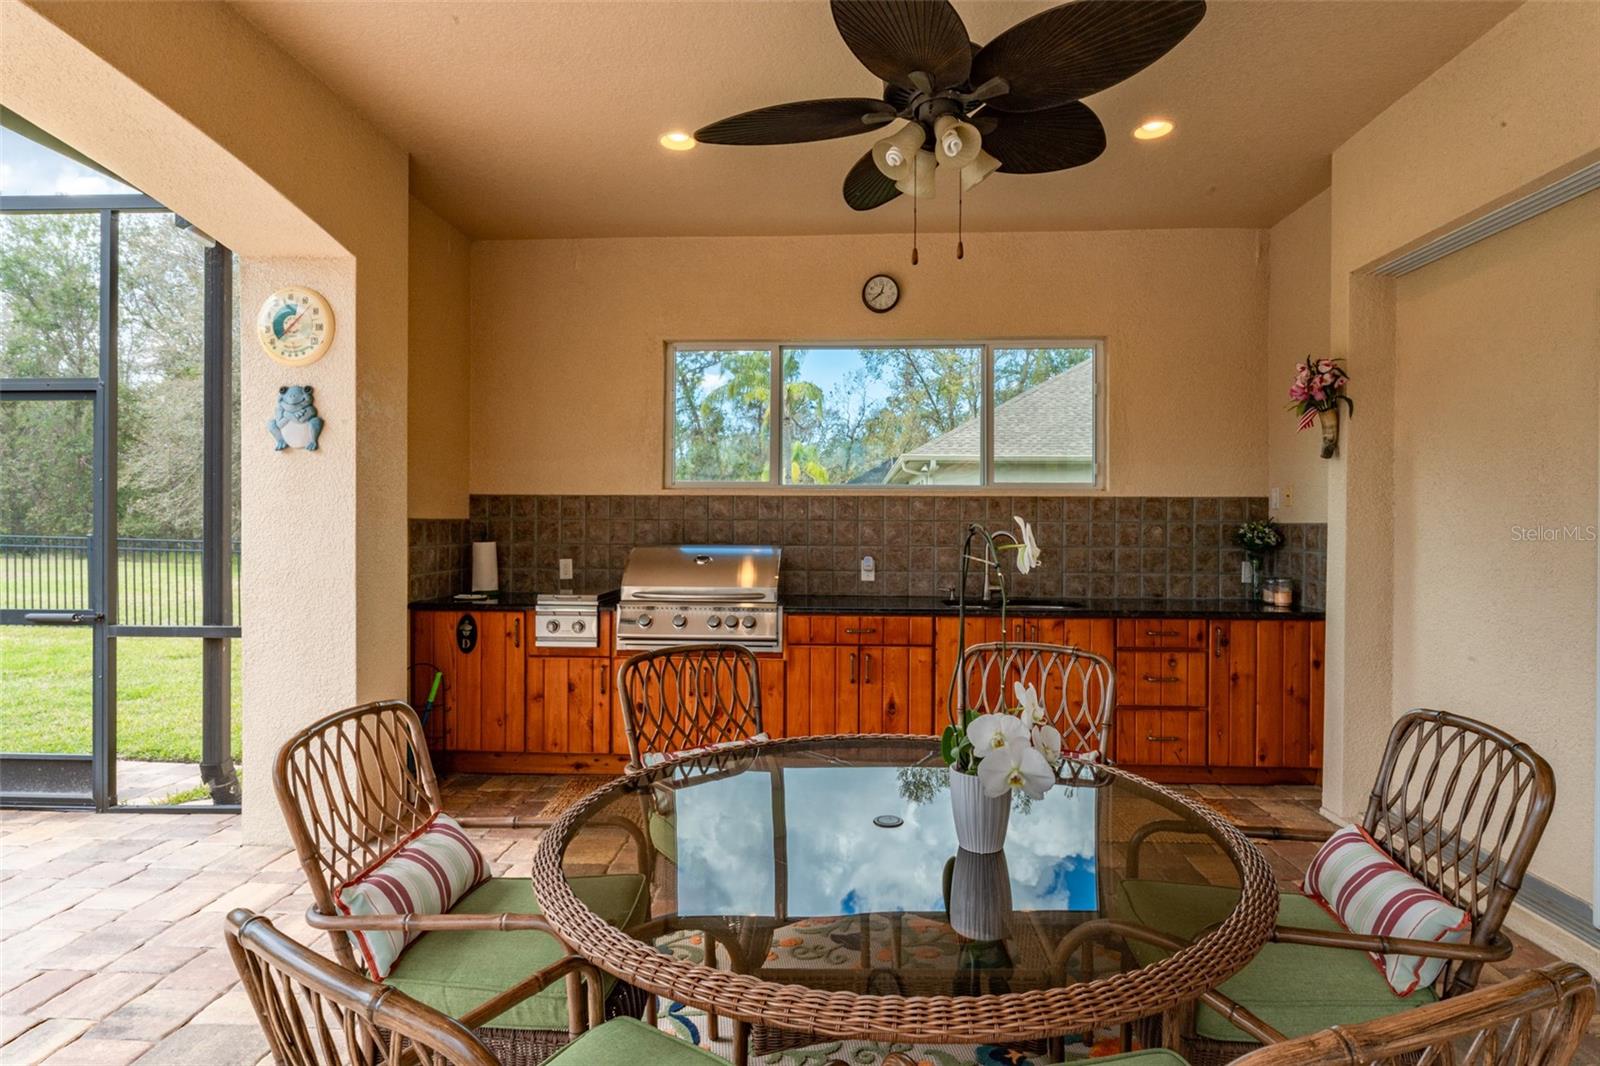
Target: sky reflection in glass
point(840, 863)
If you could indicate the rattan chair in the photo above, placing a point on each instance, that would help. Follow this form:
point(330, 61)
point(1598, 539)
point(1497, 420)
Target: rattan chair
point(1077, 688)
point(1460, 806)
point(1537, 1019)
point(316, 1013)
point(693, 696)
point(678, 699)
point(355, 786)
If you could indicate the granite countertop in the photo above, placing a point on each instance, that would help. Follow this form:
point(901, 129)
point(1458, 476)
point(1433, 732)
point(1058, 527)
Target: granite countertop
point(937, 605)
point(1064, 608)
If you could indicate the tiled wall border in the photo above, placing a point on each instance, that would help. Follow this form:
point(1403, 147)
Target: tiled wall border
point(1102, 547)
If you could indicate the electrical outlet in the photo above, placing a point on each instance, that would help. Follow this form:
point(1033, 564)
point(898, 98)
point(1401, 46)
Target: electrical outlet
point(869, 568)
point(564, 570)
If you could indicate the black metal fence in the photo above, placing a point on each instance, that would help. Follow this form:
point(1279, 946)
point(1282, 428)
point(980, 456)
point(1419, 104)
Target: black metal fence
point(159, 581)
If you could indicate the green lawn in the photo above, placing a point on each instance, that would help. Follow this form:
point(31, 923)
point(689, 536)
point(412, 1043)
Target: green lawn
point(45, 684)
point(45, 678)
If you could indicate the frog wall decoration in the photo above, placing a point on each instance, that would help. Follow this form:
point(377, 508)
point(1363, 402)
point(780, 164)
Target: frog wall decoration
point(295, 423)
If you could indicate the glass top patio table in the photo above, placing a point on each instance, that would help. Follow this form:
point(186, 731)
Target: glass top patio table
point(824, 875)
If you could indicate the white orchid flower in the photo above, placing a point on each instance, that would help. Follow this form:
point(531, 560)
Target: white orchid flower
point(1014, 766)
point(1047, 742)
point(1029, 709)
point(1028, 548)
point(990, 733)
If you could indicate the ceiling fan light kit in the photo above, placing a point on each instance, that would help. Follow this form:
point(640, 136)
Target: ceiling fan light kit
point(1012, 105)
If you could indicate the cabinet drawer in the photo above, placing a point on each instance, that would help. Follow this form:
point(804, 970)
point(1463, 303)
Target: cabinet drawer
point(1161, 738)
point(1161, 679)
point(1187, 633)
point(900, 630)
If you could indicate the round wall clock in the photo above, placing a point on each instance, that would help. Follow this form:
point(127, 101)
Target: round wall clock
point(880, 293)
point(295, 326)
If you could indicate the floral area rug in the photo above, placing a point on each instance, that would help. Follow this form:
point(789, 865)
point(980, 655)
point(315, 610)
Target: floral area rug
point(834, 942)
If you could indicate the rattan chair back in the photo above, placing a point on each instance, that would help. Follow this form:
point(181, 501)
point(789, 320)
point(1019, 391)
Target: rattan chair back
point(1537, 1019)
point(693, 696)
point(1077, 688)
point(316, 1014)
point(1461, 806)
point(352, 787)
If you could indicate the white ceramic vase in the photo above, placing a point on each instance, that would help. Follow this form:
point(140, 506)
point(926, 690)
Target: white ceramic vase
point(980, 820)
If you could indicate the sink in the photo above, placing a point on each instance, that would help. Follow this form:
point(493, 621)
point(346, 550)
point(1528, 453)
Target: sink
point(1033, 605)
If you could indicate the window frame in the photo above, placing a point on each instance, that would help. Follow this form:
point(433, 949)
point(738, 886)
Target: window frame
point(986, 484)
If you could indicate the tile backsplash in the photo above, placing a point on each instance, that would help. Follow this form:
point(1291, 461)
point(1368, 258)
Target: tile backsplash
point(1173, 547)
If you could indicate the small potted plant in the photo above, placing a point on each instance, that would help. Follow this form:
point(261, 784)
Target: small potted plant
point(994, 754)
point(1315, 396)
point(1259, 540)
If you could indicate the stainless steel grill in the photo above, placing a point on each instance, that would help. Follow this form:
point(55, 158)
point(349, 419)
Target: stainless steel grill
point(693, 593)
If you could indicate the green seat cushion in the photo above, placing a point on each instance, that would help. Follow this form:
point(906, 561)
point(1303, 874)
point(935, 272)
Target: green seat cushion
point(664, 835)
point(454, 972)
point(1295, 988)
point(1153, 1057)
point(628, 1040)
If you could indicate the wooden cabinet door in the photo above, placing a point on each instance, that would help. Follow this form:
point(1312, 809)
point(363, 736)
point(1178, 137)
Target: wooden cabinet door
point(811, 691)
point(847, 674)
point(480, 703)
point(568, 706)
point(896, 690)
point(1266, 694)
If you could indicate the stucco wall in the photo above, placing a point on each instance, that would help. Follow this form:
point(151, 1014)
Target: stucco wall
point(1495, 498)
point(436, 381)
point(568, 336)
point(1515, 108)
point(188, 102)
point(1297, 326)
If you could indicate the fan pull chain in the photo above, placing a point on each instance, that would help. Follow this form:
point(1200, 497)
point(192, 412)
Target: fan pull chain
point(961, 248)
point(914, 199)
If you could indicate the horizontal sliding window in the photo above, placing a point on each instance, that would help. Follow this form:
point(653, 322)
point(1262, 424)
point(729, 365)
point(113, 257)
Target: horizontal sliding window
point(886, 416)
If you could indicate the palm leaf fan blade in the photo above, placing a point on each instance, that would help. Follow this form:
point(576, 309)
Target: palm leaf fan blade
point(897, 38)
point(799, 122)
point(1038, 142)
point(1078, 49)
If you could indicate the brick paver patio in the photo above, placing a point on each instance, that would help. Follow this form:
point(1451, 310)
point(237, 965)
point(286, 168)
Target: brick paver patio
point(111, 944)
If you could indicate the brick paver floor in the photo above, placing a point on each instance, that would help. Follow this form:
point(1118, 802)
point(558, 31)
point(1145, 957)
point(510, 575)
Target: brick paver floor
point(111, 944)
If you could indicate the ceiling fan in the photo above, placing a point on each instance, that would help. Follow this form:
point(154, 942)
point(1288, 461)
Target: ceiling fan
point(1013, 105)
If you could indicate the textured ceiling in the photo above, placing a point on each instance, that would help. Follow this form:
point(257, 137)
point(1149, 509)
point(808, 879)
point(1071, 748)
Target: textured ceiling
point(539, 119)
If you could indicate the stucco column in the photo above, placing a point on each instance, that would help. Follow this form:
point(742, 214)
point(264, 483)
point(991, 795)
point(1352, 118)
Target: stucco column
point(1360, 651)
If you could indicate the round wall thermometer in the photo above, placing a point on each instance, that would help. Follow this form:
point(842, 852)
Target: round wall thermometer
point(295, 326)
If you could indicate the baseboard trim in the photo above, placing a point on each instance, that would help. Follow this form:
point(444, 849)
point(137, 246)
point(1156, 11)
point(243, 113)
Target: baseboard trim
point(1566, 912)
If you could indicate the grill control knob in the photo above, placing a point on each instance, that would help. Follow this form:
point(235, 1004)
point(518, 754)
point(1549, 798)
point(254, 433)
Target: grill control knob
point(713, 622)
point(732, 621)
point(646, 621)
point(749, 621)
point(679, 621)
point(577, 627)
point(552, 626)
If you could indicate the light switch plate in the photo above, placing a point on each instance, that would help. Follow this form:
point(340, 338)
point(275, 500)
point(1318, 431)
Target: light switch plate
point(564, 570)
point(1274, 500)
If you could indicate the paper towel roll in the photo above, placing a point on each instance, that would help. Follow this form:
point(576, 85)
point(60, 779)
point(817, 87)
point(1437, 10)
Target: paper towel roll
point(485, 568)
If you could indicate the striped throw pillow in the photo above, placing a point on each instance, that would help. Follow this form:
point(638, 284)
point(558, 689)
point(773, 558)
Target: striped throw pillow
point(657, 758)
point(1368, 892)
point(427, 874)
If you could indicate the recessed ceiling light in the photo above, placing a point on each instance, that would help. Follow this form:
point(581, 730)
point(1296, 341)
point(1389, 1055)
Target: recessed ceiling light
point(678, 141)
point(1152, 129)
